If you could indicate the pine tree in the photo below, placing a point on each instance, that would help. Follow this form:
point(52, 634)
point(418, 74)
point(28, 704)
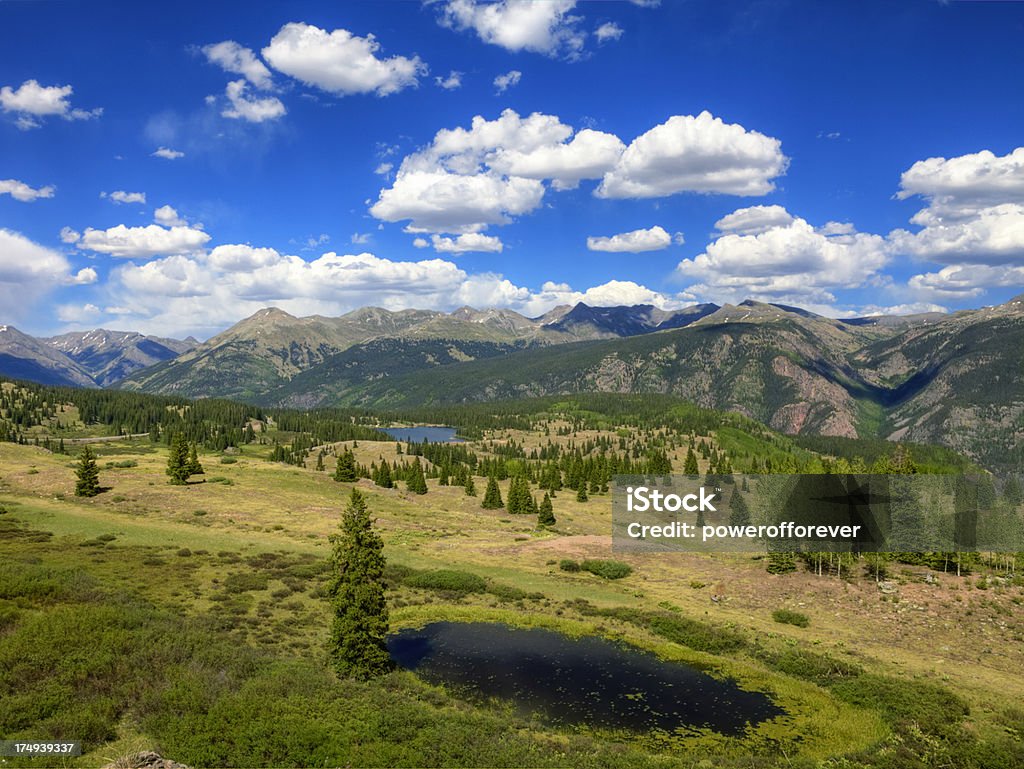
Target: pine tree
point(384, 476)
point(416, 483)
point(346, 469)
point(739, 513)
point(546, 513)
point(194, 468)
point(320, 461)
point(581, 495)
point(88, 473)
point(690, 465)
point(492, 496)
point(357, 642)
point(470, 487)
point(177, 463)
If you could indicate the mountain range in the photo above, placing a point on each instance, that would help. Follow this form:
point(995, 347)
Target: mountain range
point(955, 379)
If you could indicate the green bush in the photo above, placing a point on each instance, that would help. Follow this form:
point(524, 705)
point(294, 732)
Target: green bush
point(790, 617)
point(567, 564)
point(228, 460)
point(929, 707)
point(240, 582)
point(507, 592)
point(607, 569)
point(447, 580)
point(820, 669)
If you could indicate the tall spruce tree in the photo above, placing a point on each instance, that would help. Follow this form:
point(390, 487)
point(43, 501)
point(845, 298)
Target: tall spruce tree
point(546, 513)
point(88, 474)
point(360, 625)
point(177, 462)
point(194, 468)
point(346, 470)
point(492, 496)
point(739, 513)
point(690, 465)
point(470, 487)
point(416, 483)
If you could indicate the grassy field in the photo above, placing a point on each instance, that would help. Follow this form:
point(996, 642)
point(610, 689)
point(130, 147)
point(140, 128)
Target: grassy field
point(163, 617)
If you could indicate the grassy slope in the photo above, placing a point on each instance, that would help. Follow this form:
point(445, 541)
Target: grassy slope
point(946, 633)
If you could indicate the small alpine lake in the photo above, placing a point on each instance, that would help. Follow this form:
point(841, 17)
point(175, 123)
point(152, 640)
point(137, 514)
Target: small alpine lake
point(430, 433)
point(577, 681)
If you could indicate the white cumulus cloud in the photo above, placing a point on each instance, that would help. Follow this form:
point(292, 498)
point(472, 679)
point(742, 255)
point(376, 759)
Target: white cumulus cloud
point(30, 102)
point(699, 153)
point(167, 153)
point(450, 83)
point(754, 220)
point(340, 62)
point(608, 31)
point(511, 78)
point(547, 27)
point(168, 217)
point(239, 60)
point(143, 242)
point(974, 212)
point(467, 242)
point(255, 109)
point(23, 192)
point(634, 242)
point(120, 196)
point(29, 271)
point(790, 262)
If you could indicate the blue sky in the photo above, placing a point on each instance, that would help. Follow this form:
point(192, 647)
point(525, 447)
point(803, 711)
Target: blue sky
point(848, 157)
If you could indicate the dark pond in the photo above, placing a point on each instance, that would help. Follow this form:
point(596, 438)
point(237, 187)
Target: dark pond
point(417, 434)
point(588, 681)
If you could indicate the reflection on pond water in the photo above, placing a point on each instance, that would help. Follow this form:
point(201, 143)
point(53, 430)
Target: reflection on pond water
point(588, 680)
point(433, 434)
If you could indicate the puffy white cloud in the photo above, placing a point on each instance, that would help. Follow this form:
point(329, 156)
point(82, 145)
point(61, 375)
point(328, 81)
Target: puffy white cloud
point(168, 217)
point(241, 258)
point(467, 242)
point(547, 28)
point(31, 101)
point(975, 211)
point(589, 154)
point(439, 201)
point(696, 154)
point(340, 62)
point(120, 196)
point(511, 78)
point(143, 242)
point(653, 239)
point(84, 277)
point(608, 31)
point(167, 153)
point(975, 180)
point(910, 308)
point(28, 271)
point(247, 107)
point(964, 281)
point(420, 242)
point(450, 83)
point(68, 235)
point(754, 220)
point(237, 59)
point(791, 262)
point(360, 238)
point(467, 179)
point(992, 235)
point(384, 169)
point(23, 192)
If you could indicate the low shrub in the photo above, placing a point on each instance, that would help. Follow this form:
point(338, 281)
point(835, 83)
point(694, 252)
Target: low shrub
point(607, 569)
point(567, 564)
point(790, 617)
point(448, 580)
point(243, 581)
